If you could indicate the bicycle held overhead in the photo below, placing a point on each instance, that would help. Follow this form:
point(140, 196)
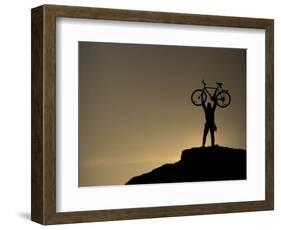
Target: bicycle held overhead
point(220, 95)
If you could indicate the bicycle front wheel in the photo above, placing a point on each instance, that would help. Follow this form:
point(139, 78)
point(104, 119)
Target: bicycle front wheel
point(223, 99)
point(198, 96)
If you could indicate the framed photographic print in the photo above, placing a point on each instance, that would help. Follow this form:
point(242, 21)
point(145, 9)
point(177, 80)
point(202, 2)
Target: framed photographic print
point(140, 114)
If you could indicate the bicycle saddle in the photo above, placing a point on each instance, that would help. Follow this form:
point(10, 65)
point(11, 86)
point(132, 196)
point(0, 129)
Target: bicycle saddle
point(219, 84)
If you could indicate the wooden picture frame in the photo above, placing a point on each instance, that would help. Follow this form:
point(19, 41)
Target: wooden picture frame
point(43, 202)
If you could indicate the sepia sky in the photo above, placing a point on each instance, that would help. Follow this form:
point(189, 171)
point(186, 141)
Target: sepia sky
point(135, 112)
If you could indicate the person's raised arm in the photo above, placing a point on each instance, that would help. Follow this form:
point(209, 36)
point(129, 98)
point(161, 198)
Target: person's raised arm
point(203, 103)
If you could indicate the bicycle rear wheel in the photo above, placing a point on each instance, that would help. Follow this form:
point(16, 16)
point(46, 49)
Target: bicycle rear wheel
point(198, 96)
point(223, 99)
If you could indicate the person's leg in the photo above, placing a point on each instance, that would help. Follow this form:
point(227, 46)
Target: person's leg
point(206, 128)
point(212, 131)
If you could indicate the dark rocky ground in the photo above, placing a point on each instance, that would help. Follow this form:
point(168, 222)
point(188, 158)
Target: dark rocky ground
point(199, 164)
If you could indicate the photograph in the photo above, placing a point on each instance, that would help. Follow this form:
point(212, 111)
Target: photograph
point(141, 114)
point(152, 113)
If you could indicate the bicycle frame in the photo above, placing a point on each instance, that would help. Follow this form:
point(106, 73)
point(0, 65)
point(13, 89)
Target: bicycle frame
point(217, 89)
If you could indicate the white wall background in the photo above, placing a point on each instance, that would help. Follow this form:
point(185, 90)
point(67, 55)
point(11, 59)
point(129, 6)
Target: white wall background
point(15, 114)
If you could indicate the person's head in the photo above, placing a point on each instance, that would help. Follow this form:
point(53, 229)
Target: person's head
point(209, 105)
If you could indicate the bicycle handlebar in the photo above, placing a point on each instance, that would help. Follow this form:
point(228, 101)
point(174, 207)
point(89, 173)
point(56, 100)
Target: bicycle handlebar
point(218, 83)
point(203, 82)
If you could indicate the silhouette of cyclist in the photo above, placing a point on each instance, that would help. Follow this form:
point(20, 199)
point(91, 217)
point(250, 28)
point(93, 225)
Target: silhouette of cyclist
point(210, 121)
